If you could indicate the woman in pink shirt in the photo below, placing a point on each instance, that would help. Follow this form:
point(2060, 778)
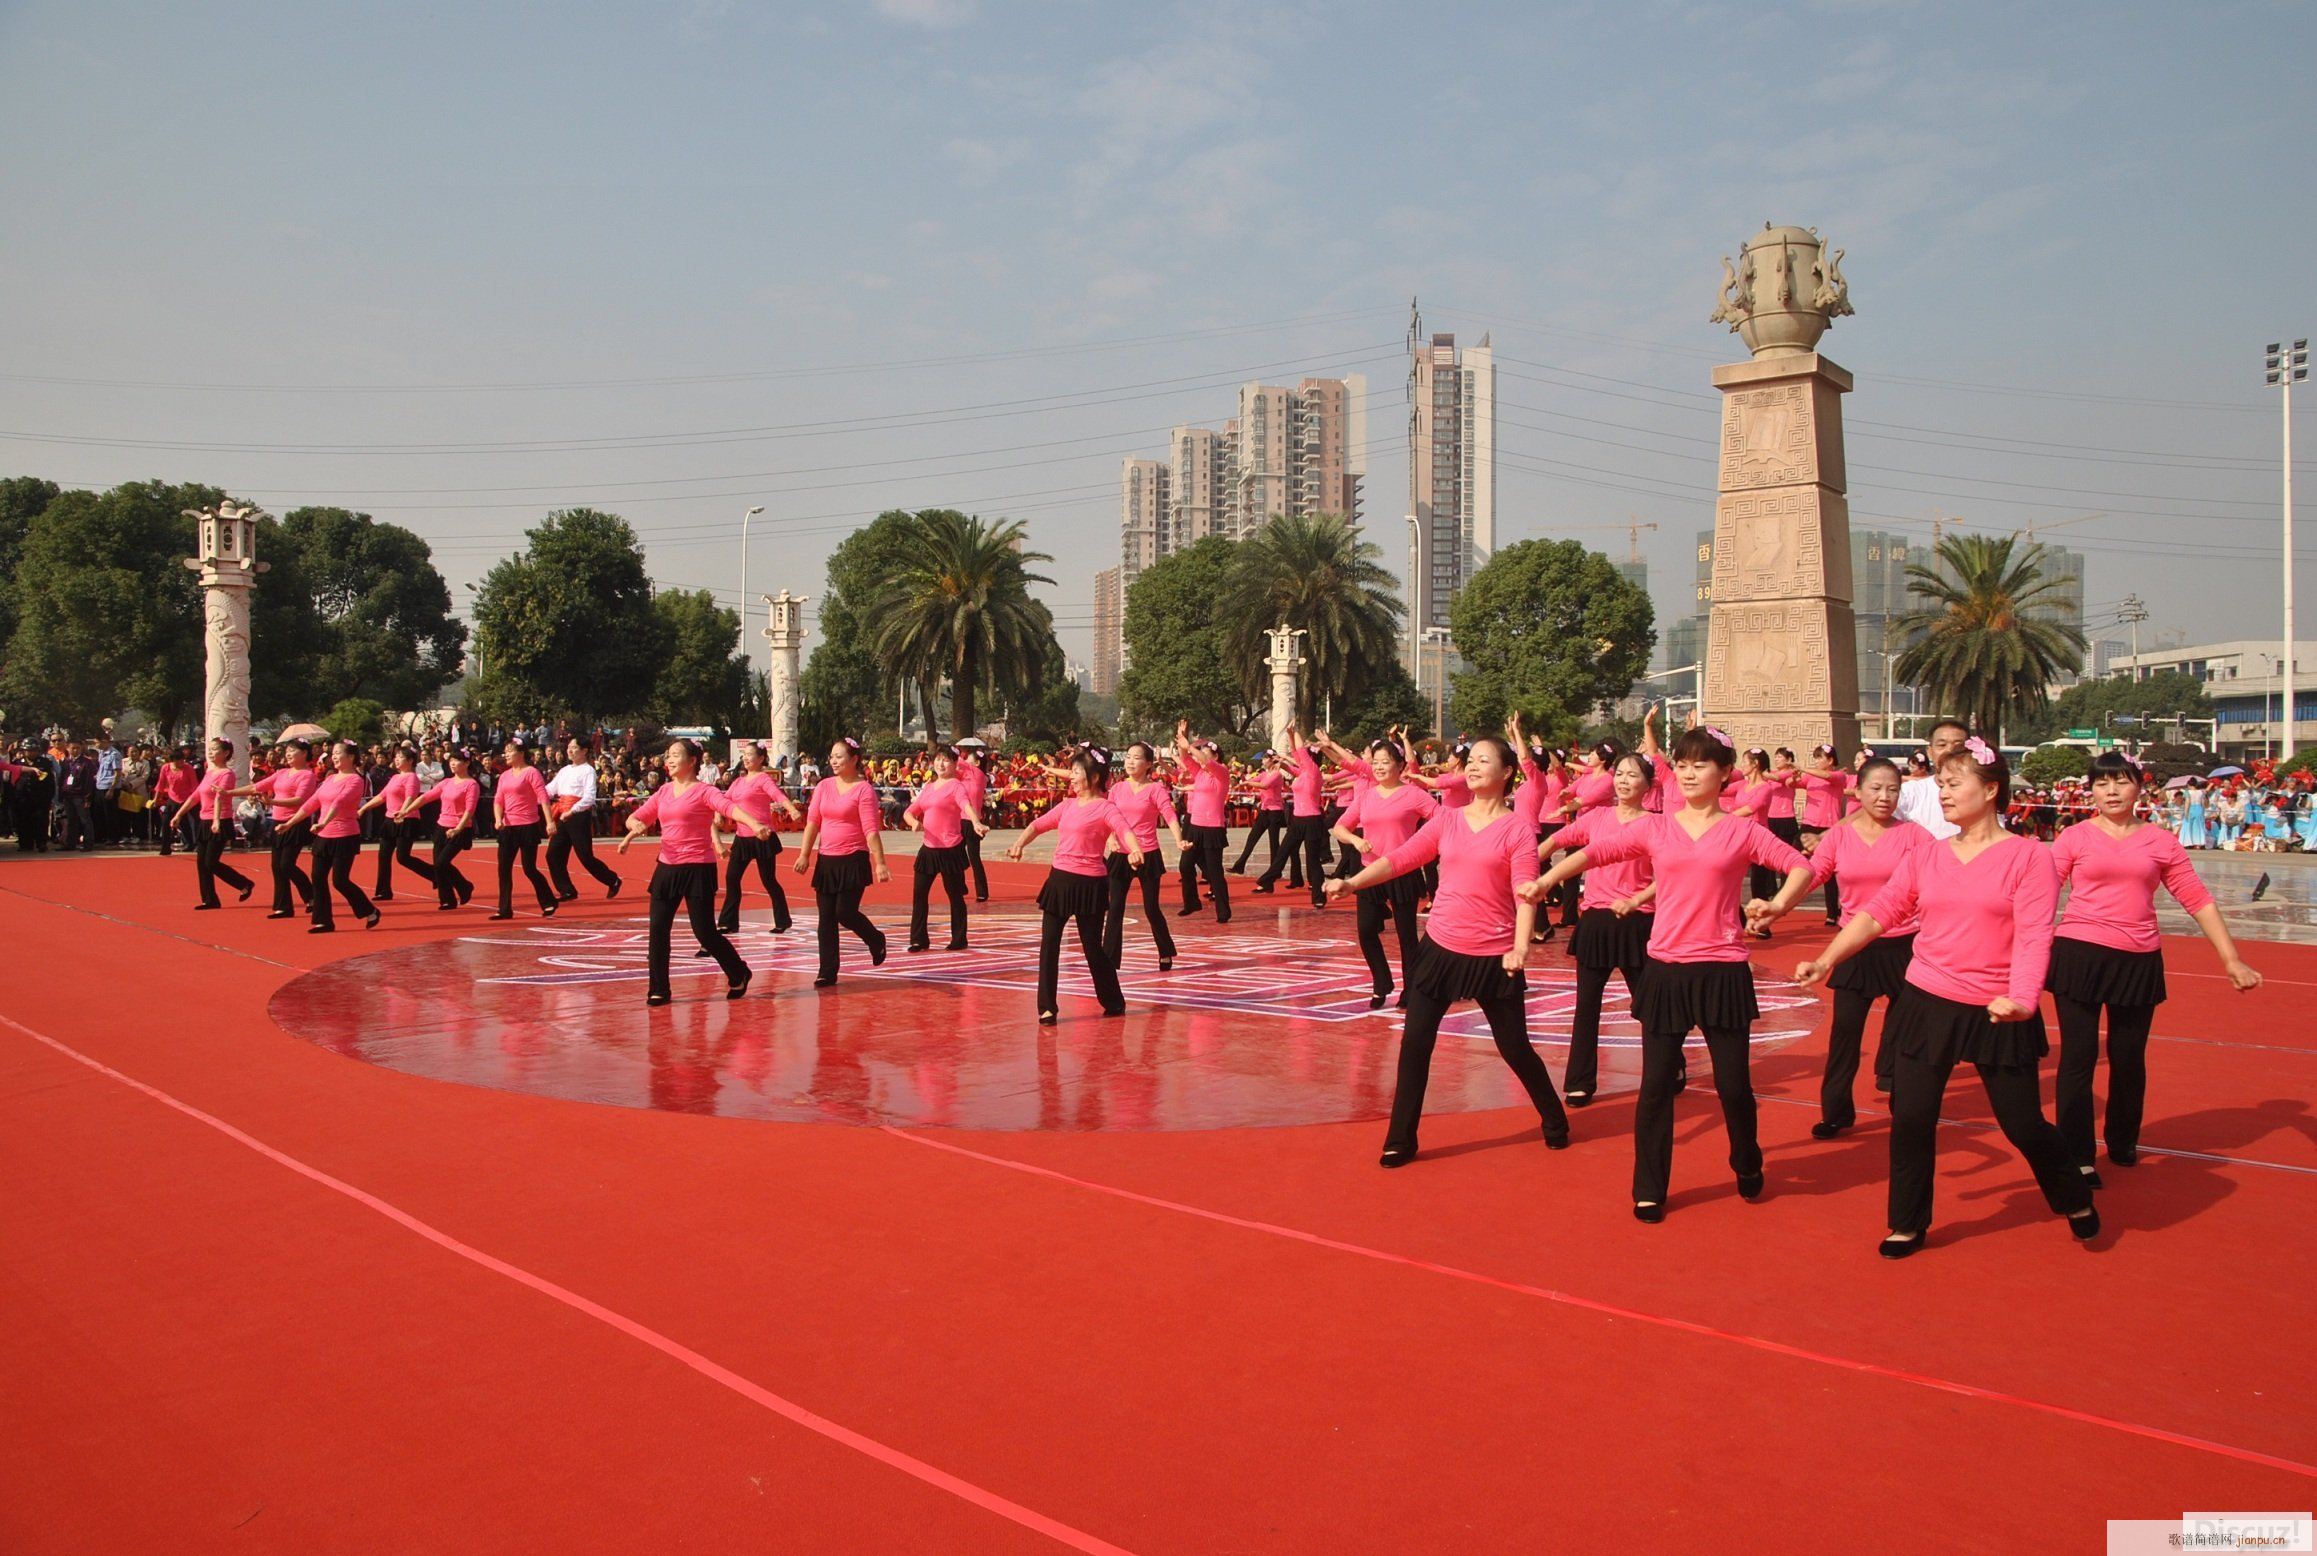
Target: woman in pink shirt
point(686, 811)
point(842, 847)
point(336, 806)
point(1862, 852)
point(1612, 932)
point(1142, 799)
point(1306, 830)
point(1379, 822)
point(1823, 792)
point(1698, 976)
point(756, 790)
point(395, 840)
point(1984, 901)
point(454, 799)
point(1077, 889)
point(212, 805)
point(1208, 832)
point(284, 790)
point(2107, 955)
point(519, 808)
point(944, 810)
point(1475, 944)
point(173, 786)
point(1270, 813)
point(973, 772)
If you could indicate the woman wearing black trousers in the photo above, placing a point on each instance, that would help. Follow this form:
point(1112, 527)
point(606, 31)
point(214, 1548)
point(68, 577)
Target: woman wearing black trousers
point(519, 809)
point(456, 800)
point(398, 839)
point(336, 806)
point(943, 809)
point(759, 791)
point(1144, 801)
point(1077, 889)
point(842, 847)
point(1612, 934)
point(285, 789)
point(571, 825)
point(212, 806)
point(1381, 820)
point(687, 811)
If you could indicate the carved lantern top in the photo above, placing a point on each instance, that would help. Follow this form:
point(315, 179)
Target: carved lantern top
point(1284, 646)
point(227, 538)
point(1784, 291)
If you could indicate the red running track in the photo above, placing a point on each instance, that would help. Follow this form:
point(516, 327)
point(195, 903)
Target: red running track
point(256, 1295)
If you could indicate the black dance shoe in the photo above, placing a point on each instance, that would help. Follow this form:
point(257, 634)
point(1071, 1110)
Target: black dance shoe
point(1047, 1018)
point(1196, 907)
point(205, 907)
point(372, 921)
point(877, 954)
point(1222, 918)
point(732, 928)
point(285, 913)
point(1319, 899)
point(1749, 1186)
point(2092, 1176)
point(1649, 1213)
point(567, 896)
point(1883, 1086)
point(1578, 1099)
point(2086, 1226)
point(739, 990)
point(321, 929)
point(547, 909)
point(1376, 1000)
point(611, 892)
point(823, 983)
point(1259, 890)
point(1396, 1156)
point(466, 893)
point(1681, 1079)
point(1897, 1247)
point(1822, 1130)
point(382, 896)
point(440, 907)
point(245, 891)
point(781, 926)
point(1544, 936)
point(497, 916)
point(916, 946)
point(1114, 1010)
point(703, 951)
point(959, 945)
point(2124, 1155)
point(1556, 1139)
point(656, 999)
point(1166, 963)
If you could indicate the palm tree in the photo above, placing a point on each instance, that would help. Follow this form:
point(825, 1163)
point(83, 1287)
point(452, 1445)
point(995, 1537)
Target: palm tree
point(1315, 572)
point(960, 610)
point(1992, 641)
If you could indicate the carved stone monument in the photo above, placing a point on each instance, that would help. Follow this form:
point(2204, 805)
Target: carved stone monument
point(1781, 665)
point(786, 635)
point(1285, 659)
point(228, 566)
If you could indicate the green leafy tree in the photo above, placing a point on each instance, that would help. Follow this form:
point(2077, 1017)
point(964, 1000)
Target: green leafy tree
point(567, 628)
point(108, 616)
point(2090, 704)
point(1992, 640)
point(960, 611)
point(2049, 764)
point(842, 690)
point(1053, 712)
point(1311, 571)
point(1178, 653)
point(1551, 629)
point(703, 680)
point(359, 719)
point(1390, 700)
point(23, 498)
point(350, 607)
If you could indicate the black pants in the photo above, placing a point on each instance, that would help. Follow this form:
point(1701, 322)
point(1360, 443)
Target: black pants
point(946, 865)
point(1122, 879)
point(1098, 966)
point(1203, 856)
point(521, 840)
point(1584, 1070)
point(451, 887)
point(1306, 841)
point(764, 853)
point(2016, 1094)
point(168, 836)
point(1270, 824)
point(1662, 1066)
point(2128, 1027)
point(1375, 907)
point(334, 867)
point(575, 834)
point(209, 866)
point(1347, 858)
point(973, 859)
point(1508, 1023)
point(292, 888)
point(398, 840)
point(78, 827)
point(691, 887)
point(1842, 1050)
point(840, 908)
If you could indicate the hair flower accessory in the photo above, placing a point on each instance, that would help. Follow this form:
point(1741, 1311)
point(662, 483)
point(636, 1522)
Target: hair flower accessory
point(1724, 739)
point(1981, 751)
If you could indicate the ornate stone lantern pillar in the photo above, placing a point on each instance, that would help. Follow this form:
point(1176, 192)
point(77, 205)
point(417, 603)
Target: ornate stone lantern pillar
point(228, 565)
point(786, 635)
point(1285, 660)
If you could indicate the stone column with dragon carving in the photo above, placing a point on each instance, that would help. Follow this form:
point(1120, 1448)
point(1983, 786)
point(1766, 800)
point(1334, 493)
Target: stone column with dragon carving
point(1781, 666)
point(783, 676)
point(226, 538)
point(1285, 662)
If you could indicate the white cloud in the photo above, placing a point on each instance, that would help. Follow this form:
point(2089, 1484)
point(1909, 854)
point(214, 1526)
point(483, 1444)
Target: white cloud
point(926, 13)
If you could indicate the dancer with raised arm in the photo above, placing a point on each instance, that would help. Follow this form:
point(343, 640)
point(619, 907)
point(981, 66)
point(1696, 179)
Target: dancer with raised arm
point(2108, 955)
point(1379, 824)
point(1984, 901)
point(1475, 945)
point(758, 791)
point(1144, 802)
point(571, 824)
point(944, 810)
point(842, 847)
point(973, 772)
point(1825, 793)
point(686, 809)
point(212, 805)
point(1270, 813)
point(1613, 925)
point(519, 808)
point(336, 806)
point(1077, 889)
point(396, 840)
point(1306, 833)
point(284, 790)
point(1697, 977)
point(1210, 815)
point(456, 800)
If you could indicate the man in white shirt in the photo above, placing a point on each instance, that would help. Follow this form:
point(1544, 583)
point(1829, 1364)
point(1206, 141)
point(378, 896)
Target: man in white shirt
point(1919, 797)
point(571, 827)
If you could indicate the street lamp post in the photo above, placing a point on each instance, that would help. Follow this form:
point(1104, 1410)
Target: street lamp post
point(1415, 600)
point(746, 657)
point(475, 592)
point(2285, 369)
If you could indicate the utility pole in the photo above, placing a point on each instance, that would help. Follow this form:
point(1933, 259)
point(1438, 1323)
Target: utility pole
point(2285, 369)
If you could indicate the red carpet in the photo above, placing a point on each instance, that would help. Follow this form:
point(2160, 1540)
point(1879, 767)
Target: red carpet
point(476, 1320)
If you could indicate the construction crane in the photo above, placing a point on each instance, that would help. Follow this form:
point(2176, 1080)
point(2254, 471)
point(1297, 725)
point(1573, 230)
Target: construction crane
point(1633, 533)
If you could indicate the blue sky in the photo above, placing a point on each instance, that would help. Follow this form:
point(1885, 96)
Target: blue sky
point(460, 265)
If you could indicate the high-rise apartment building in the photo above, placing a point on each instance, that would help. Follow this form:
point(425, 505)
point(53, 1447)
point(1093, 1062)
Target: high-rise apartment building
point(1109, 633)
point(1451, 465)
point(1145, 515)
point(1201, 491)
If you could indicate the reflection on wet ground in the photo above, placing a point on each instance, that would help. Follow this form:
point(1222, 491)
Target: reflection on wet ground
point(1257, 1024)
point(2286, 912)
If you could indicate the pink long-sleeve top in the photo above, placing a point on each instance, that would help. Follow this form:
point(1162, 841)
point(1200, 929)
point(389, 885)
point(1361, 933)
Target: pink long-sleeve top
point(1700, 881)
point(1454, 792)
point(286, 788)
point(2112, 883)
point(397, 792)
point(1210, 791)
point(759, 792)
point(1472, 913)
point(1986, 928)
point(337, 805)
point(977, 784)
point(1866, 868)
point(1359, 776)
point(1822, 795)
point(1304, 790)
point(456, 797)
point(176, 783)
point(1386, 818)
point(1143, 809)
point(521, 797)
point(1751, 801)
point(1539, 795)
point(1271, 789)
point(942, 806)
point(685, 818)
point(1782, 782)
point(1609, 884)
point(848, 817)
point(1596, 788)
point(212, 804)
point(1080, 828)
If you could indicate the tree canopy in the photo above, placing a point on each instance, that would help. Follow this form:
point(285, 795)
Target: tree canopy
point(1312, 571)
point(359, 610)
point(2088, 704)
point(1552, 630)
point(1178, 652)
point(842, 690)
point(703, 680)
point(1992, 641)
point(567, 627)
point(959, 610)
